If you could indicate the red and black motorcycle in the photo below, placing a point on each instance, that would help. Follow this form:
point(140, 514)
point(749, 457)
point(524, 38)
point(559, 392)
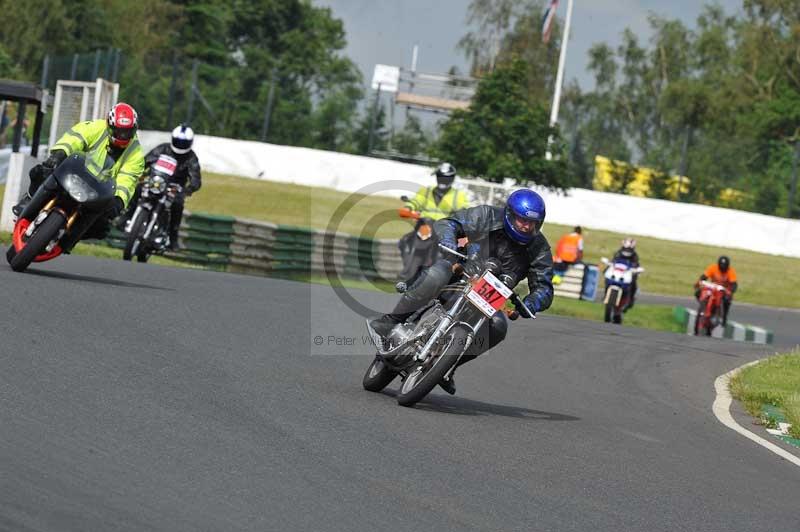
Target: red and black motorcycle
point(66, 205)
point(709, 314)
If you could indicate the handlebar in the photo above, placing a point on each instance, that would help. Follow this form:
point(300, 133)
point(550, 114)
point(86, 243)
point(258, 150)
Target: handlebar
point(518, 302)
point(452, 251)
point(405, 212)
point(713, 286)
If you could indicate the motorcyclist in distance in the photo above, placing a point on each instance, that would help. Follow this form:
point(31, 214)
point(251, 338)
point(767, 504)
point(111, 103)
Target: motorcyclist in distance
point(187, 175)
point(724, 274)
point(628, 253)
point(442, 200)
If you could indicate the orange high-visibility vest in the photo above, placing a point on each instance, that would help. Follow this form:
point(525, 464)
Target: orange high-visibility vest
point(569, 247)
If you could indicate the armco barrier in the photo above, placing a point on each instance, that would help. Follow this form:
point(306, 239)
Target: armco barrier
point(733, 330)
point(263, 248)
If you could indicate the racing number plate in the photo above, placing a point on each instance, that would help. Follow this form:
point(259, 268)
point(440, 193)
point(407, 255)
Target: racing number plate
point(489, 294)
point(166, 165)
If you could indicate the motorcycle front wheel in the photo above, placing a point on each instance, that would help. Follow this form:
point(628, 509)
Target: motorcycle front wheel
point(698, 321)
point(134, 243)
point(424, 378)
point(38, 241)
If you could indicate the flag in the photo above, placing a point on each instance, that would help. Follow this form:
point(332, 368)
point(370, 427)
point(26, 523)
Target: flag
point(547, 20)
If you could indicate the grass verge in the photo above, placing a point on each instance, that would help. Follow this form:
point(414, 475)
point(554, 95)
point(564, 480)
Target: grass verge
point(774, 381)
point(672, 267)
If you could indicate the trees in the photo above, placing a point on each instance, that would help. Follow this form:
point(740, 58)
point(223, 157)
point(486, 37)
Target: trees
point(719, 103)
point(237, 46)
point(503, 133)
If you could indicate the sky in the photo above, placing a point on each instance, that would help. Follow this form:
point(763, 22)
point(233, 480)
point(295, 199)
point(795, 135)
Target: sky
point(385, 31)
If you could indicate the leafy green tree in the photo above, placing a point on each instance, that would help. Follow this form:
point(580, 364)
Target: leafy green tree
point(32, 29)
point(505, 29)
point(503, 133)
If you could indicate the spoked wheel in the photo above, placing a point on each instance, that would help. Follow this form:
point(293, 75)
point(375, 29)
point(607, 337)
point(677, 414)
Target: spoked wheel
point(378, 376)
point(134, 243)
point(424, 378)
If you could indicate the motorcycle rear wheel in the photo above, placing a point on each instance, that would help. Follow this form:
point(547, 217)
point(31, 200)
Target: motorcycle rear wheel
point(378, 376)
point(420, 381)
point(38, 241)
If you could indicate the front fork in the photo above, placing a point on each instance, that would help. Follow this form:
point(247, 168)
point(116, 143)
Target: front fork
point(443, 327)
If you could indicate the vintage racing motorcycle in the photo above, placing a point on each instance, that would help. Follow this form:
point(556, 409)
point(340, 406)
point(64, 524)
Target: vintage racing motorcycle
point(428, 345)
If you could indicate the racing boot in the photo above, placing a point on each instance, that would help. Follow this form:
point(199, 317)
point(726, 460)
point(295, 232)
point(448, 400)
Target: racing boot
point(172, 243)
point(384, 325)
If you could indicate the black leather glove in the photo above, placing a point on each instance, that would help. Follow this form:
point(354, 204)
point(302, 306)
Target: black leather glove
point(115, 209)
point(39, 172)
point(474, 265)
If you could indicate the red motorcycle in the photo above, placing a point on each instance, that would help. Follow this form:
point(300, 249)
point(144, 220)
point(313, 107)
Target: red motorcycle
point(709, 314)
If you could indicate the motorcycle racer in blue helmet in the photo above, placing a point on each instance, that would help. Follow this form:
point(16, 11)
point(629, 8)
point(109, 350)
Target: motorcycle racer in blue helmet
point(510, 233)
point(524, 215)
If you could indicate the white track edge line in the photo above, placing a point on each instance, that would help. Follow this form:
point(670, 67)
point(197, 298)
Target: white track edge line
point(721, 409)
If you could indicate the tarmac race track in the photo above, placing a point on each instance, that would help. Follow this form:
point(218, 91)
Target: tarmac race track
point(147, 398)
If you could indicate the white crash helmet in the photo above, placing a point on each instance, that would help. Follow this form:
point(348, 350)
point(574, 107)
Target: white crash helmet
point(182, 139)
point(629, 243)
point(445, 175)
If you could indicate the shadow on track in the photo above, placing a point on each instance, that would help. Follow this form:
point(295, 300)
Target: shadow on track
point(467, 407)
point(95, 280)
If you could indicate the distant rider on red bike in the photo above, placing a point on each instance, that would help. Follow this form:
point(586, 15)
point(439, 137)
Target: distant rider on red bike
point(721, 273)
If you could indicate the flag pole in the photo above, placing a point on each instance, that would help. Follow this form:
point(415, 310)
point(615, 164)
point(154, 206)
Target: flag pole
point(562, 57)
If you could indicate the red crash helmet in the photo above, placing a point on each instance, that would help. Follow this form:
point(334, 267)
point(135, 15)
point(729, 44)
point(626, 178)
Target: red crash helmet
point(122, 124)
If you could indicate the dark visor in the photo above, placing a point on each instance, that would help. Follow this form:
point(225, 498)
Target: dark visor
point(120, 133)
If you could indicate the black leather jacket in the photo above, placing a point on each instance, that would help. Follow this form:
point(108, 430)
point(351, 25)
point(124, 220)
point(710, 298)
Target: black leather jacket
point(629, 255)
point(483, 226)
point(188, 166)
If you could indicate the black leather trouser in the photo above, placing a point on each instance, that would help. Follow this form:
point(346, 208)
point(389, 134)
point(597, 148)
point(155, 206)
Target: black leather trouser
point(427, 286)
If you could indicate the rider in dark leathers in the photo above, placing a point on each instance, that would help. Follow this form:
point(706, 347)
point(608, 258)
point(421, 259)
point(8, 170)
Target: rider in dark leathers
point(188, 170)
point(485, 228)
point(628, 253)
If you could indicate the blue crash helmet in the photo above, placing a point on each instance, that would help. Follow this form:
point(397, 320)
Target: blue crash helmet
point(524, 215)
